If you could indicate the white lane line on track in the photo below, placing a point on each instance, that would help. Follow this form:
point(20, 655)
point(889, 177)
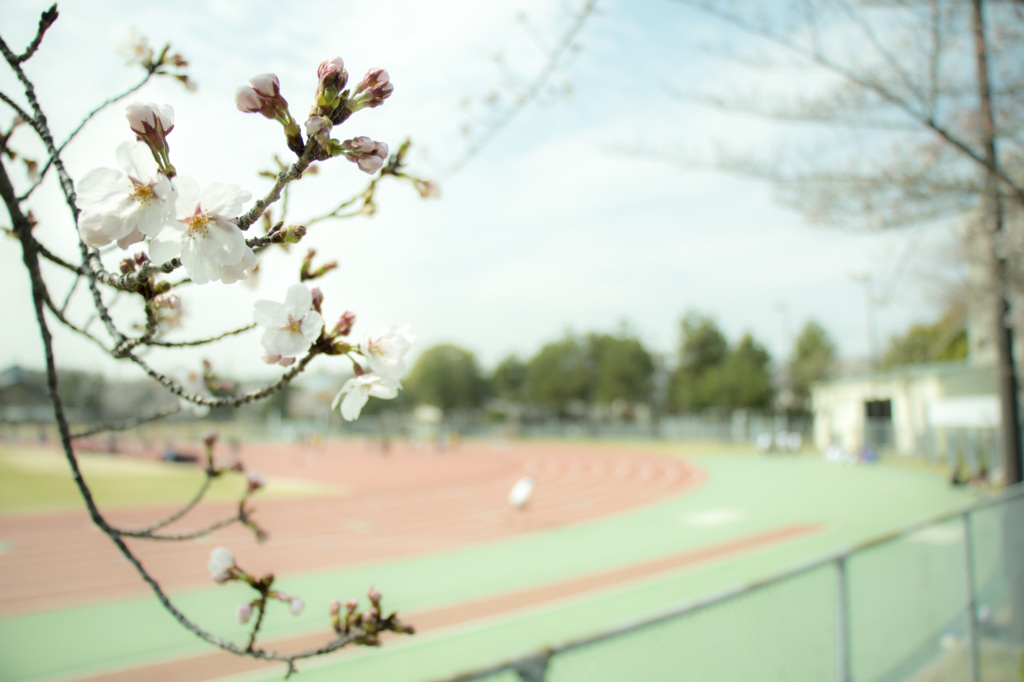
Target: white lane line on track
point(712, 517)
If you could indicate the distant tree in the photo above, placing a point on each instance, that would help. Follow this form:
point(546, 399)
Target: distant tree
point(558, 375)
point(702, 352)
point(446, 376)
point(623, 369)
point(745, 378)
point(915, 113)
point(508, 380)
point(945, 339)
point(814, 359)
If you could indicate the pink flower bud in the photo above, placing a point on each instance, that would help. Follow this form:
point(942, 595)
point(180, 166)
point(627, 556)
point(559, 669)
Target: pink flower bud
point(243, 613)
point(148, 119)
point(373, 89)
point(266, 85)
point(210, 439)
point(332, 73)
point(373, 595)
point(428, 189)
point(255, 481)
point(296, 606)
point(248, 100)
point(167, 301)
point(351, 605)
point(318, 298)
point(345, 324)
point(151, 124)
point(365, 153)
point(263, 96)
point(221, 565)
point(331, 80)
point(335, 607)
point(319, 128)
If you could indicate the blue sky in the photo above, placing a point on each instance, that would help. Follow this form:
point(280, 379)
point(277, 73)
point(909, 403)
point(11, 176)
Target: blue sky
point(566, 221)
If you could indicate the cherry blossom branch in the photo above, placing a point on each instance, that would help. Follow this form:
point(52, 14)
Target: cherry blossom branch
point(39, 123)
point(103, 105)
point(386, 362)
point(201, 342)
point(46, 20)
point(148, 534)
point(533, 90)
point(62, 318)
point(126, 424)
point(294, 172)
point(180, 391)
point(18, 111)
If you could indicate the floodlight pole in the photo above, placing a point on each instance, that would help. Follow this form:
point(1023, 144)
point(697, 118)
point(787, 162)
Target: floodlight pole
point(1007, 375)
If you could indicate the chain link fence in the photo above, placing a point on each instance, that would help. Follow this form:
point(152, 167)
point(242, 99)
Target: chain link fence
point(940, 601)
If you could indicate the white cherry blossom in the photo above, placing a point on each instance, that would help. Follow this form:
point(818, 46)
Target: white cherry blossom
point(135, 48)
point(357, 390)
point(385, 349)
point(222, 561)
point(205, 234)
point(296, 606)
point(127, 205)
point(292, 326)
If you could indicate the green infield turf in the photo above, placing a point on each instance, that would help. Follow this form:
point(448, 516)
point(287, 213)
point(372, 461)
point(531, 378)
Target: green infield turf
point(744, 495)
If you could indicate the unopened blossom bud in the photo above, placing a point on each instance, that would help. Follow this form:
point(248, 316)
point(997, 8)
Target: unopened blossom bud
point(335, 607)
point(151, 123)
point(255, 481)
point(374, 596)
point(167, 302)
point(428, 189)
point(345, 324)
point(318, 296)
point(221, 565)
point(351, 605)
point(366, 153)
point(141, 257)
point(332, 78)
point(319, 128)
point(306, 269)
point(210, 439)
point(243, 613)
point(293, 234)
point(127, 266)
point(263, 96)
point(372, 90)
point(266, 85)
point(248, 100)
point(272, 359)
point(296, 606)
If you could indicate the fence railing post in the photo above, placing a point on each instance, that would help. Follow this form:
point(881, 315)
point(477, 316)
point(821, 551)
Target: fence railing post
point(842, 621)
point(973, 657)
point(533, 668)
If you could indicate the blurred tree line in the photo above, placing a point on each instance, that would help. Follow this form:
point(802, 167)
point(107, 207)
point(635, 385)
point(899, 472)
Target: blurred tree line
point(616, 372)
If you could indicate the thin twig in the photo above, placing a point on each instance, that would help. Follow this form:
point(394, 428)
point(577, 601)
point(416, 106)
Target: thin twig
point(45, 22)
point(88, 117)
point(126, 424)
point(201, 342)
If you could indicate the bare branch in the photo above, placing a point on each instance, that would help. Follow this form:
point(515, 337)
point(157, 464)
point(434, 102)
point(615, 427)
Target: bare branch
point(78, 128)
point(45, 21)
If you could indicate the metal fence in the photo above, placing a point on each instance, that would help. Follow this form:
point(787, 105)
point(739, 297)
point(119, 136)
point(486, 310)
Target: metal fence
point(939, 601)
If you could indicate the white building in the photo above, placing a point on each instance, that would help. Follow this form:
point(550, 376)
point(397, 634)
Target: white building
point(938, 410)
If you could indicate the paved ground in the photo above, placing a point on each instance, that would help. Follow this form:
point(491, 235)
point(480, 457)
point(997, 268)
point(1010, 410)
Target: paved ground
point(388, 505)
point(433, 531)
